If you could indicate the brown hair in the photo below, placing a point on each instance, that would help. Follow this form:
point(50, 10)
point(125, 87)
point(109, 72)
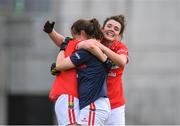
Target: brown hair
point(91, 27)
point(118, 18)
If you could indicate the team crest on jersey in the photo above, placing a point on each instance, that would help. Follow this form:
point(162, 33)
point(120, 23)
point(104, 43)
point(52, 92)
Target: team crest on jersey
point(115, 67)
point(112, 74)
point(84, 120)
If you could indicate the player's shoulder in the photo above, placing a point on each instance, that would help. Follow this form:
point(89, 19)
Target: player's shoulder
point(83, 51)
point(73, 42)
point(120, 44)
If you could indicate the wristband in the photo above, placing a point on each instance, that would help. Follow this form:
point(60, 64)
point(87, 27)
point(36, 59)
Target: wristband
point(108, 63)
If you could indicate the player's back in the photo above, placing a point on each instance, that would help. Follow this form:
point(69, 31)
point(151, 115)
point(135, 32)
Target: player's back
point(91, 77)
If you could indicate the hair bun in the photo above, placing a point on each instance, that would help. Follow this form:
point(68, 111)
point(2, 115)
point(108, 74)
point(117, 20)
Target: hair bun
point(121, 17)
point(94, 21)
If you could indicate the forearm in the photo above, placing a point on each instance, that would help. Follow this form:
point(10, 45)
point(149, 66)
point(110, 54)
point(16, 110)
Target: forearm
point(118, 59)
point(91, 45)
point(87, 44)
point(56, 37)
point(60, 58)
point(63, 63)
point(96, 51)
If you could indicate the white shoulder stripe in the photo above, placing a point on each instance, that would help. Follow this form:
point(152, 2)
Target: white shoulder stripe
point(77, 55)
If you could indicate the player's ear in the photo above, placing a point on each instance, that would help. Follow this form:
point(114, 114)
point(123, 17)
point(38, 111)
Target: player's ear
point(73, 35)
point(83, 33)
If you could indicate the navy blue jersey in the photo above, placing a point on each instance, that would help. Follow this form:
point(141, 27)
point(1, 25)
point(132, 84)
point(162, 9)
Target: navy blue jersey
point(91, 77)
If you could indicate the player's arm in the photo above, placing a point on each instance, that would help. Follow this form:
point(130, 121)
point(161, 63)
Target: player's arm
point(63, 63)
point(63, 46)
point(55, 37)
point(89, 45)
point(96, 51)
point(78, 58)
point(118, 59)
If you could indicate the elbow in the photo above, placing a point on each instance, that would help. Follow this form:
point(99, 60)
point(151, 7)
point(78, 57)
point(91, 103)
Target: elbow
point(59, 68)
point(62, 67)
point(122, 63)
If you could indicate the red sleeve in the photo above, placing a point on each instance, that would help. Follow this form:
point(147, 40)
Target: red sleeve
point(122, 49)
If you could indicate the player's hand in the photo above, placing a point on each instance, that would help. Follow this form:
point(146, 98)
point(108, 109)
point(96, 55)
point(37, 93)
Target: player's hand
point(65, 43)
point(54, 72)
point(48, 27)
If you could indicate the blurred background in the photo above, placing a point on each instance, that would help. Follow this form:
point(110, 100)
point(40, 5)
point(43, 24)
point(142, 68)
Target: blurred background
point(152, 76)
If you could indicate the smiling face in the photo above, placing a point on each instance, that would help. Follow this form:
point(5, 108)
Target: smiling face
point(111, 30)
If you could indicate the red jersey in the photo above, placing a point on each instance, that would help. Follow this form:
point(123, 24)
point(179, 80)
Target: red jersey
point(66, 81)
point(114, 80)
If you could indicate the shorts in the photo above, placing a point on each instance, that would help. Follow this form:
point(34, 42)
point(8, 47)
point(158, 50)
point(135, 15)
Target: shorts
point(66, 109)
point(117, 116)
point(96, 113)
